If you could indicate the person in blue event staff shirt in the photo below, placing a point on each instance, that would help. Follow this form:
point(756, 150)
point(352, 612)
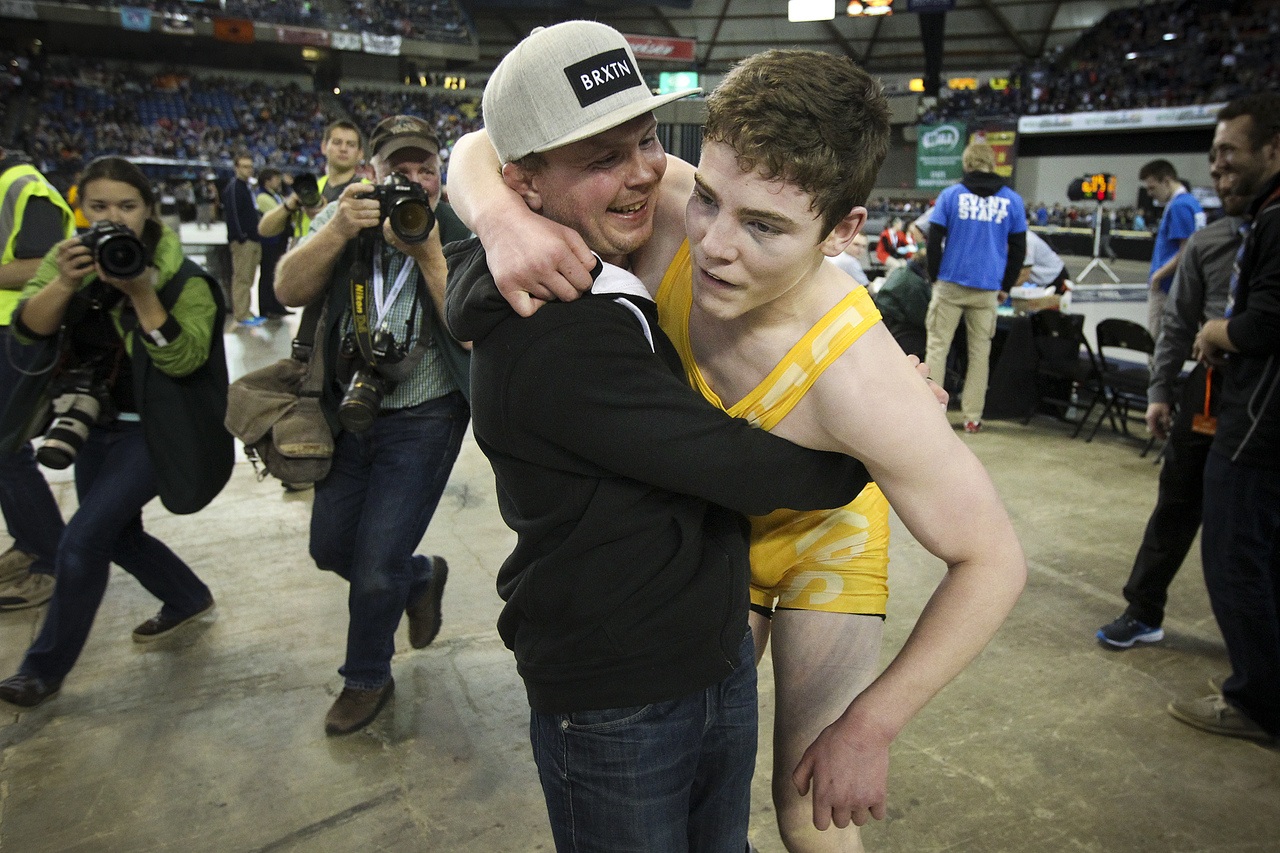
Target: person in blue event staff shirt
point(977, 241)
point(1182, 217)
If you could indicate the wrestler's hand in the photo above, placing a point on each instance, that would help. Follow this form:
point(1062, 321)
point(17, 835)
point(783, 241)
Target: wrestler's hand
point(923, 370)
point(535, 261)
point(848, 777)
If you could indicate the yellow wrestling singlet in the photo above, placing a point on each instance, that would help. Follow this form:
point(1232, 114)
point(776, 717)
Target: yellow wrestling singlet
point(835, 561)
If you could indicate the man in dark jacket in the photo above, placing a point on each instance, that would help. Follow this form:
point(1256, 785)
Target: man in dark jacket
point(977, 240)
point(626, 594)
point(1241, 539)
point(240, 211)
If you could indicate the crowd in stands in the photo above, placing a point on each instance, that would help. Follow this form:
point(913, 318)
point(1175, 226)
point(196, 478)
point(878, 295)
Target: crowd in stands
point(90, 108)
point(433, 20)
point(451, 118)
point(425, 20)
point(1154, 55)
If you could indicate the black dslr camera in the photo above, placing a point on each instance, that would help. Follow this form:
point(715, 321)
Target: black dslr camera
point(406, 205)
point(307, 188)
point(116, 249)
point(363, 398)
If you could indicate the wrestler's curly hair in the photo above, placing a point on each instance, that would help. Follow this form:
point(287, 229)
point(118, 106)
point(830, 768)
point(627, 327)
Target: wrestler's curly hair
point(811, 118)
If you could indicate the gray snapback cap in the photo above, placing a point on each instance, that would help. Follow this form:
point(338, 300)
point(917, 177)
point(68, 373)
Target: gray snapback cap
point(562, 84)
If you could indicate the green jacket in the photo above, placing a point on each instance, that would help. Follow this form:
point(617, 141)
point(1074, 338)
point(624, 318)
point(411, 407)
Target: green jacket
point(181, 387)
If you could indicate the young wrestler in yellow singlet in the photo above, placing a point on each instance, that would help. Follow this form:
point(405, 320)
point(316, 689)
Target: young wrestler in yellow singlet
point(794, 141)
point(835, 561)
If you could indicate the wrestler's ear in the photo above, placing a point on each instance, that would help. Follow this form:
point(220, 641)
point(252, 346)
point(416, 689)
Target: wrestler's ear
point(523, 182)
point(844, 232)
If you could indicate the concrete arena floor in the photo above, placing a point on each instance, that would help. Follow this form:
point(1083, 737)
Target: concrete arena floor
point(214, 742)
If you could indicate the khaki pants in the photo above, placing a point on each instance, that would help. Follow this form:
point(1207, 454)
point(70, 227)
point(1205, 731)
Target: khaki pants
point(950, 303)
point(245, 258)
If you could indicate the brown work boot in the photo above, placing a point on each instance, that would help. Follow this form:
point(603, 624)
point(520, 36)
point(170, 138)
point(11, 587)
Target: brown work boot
point(27, 691)
point(424, 613)
point(14, 565)
point(354, 708)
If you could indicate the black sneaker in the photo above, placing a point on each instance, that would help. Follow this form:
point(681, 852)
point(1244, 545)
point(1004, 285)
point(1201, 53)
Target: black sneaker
point(159, 626)
point(1125, 631)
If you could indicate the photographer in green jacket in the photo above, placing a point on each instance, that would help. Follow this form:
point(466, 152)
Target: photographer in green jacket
point(131, 332)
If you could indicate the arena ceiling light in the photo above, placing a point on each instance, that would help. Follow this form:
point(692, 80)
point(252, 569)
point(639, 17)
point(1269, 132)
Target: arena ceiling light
point(811, 10)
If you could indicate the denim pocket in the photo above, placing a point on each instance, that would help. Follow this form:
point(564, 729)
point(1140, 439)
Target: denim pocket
point(604, 720)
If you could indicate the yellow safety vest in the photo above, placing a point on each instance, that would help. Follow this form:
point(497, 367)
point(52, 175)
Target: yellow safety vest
point(18, 184)
point(302, 222)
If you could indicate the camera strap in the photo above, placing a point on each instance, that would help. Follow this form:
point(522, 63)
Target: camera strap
point(366, 276)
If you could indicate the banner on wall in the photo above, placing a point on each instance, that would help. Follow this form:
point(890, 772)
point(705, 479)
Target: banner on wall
point(24, 9)
point(238, 30)
point(665, 48)
point(302, 35)
point(135, 18)
point(938, 150)
point(382, 45)
point(345, 41)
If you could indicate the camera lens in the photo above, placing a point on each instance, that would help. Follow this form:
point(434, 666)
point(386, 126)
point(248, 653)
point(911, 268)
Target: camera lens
point(121, 255)
point(360, 404)
point(75, 412)
point(412, 220)
point(307, 188)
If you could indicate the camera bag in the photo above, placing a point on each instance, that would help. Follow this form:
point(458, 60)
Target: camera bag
point(276, 411)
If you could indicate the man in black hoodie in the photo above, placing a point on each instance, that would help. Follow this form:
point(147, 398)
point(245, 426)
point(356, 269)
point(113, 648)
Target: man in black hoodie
point(977, 241)
point(627, 590)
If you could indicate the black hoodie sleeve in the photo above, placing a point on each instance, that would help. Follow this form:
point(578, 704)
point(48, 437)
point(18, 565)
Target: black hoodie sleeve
point(591, 395)
point(937, 233)
point(1013, 265)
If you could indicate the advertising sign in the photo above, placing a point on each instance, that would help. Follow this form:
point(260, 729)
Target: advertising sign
point(938, 150)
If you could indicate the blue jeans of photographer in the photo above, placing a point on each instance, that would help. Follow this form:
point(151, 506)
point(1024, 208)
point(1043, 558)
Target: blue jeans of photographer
point(114, 480)
point(30, 510)
point(371, 512)
point(672, 775)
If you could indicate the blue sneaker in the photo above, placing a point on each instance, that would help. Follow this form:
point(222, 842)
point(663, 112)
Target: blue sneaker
point(252, 322)
point(1125, 631)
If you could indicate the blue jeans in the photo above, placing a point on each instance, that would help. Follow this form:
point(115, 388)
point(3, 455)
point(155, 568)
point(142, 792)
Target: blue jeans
point(29, 508)
point(371, 512)
point(670, 776)
point(1240, 545)
point(114, 480)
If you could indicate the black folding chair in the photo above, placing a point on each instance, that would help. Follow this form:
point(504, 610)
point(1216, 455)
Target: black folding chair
point(1067, 379)
point(1124, 380)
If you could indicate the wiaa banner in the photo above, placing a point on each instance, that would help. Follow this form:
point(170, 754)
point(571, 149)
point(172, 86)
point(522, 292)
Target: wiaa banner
point(938, 150)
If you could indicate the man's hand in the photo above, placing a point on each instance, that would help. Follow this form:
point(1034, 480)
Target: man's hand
point(539, 261)
point(848, 778)
point(1212, 343)
point(1159, 419)
point(356, 212)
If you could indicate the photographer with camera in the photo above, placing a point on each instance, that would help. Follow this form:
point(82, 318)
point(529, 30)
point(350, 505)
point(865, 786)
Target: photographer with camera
point(33, 218)
point(342, 148)
point(131, 331)
point(394, 394)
